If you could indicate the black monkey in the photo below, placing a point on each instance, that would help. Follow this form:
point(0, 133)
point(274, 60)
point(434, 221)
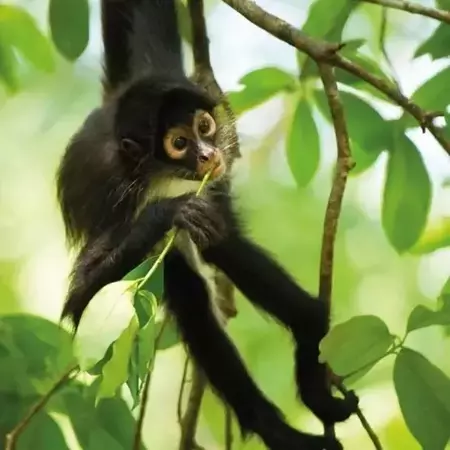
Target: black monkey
point(130, 173)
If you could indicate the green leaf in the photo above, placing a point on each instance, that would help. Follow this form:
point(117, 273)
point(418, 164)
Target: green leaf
point(366, 127)
point(155, 284)
point(423, 393)
point(69, 26)
point(443, 4)
point(444, 302)
point(323, 15)
point(352, 46)
point(104, 320)
point(407, 195)
point(145, 304)
point(371, 66)
point(271, 79)
point(302, 145)
point(445, 294)
point(115, 417)
point(42, 433)
point(98, 367)
point(115, 371)
point(259, 86)
point(363, 160)
point(355, 344)
point(422, 317)
point(170, 335)
point(435, 45)
point(81, 411)
point(436, 236)
point(8, 69)
point(19, 29)
point(146, 347)
point(326, 19)
point(111, 415)
point(33, 353)
point(429, 96)
point(99, 438)
point(143, 351)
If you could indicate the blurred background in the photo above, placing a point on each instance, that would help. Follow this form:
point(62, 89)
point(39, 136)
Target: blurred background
point(370, 277)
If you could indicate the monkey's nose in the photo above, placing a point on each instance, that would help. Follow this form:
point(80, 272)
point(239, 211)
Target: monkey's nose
point(209, 158)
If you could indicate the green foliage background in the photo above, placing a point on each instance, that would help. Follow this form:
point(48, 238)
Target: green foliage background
point(392, 257)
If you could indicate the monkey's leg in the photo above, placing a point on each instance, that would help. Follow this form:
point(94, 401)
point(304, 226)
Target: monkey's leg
point(269, 287)
point(212, 350)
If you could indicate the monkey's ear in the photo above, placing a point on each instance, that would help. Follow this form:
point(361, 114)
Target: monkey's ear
point(130, 149)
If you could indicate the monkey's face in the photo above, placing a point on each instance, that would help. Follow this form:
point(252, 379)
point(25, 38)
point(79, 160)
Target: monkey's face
point(189, 145)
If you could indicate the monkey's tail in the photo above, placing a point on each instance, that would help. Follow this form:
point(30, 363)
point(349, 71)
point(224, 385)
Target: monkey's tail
point(140, 36)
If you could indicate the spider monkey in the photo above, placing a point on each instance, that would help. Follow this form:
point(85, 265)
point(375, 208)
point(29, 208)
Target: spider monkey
point(130, 174)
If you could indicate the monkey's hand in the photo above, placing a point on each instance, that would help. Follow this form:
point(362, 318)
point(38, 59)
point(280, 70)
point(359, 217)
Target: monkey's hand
point(201, 220)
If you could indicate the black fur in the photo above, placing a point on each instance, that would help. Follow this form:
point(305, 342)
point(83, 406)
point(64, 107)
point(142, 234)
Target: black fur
point(140, 37)
point(103, 181)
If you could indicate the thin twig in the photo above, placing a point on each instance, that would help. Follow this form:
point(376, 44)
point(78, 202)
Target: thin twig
point(190, 418)
point(14, 434)
point(322, 51)
point(333, 210)
point(182, 389)
point(414, 8)
point(373, 436)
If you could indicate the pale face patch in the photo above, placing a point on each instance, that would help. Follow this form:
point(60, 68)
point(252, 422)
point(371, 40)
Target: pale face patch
point(171, 188)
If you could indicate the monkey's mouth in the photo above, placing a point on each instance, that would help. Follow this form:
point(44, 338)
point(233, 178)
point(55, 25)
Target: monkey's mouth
point(217, 168)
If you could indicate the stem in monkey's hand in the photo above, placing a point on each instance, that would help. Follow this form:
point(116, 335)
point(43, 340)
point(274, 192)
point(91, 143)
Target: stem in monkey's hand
point(172, 237)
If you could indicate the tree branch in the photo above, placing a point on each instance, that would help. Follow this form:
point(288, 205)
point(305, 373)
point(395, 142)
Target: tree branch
point(414, 8)
point(13, 435)
point(343, 167)
point(323, 51)
point(333, 210)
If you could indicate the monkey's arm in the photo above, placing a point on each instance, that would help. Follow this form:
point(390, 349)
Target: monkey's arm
point(111, 256)
point(267, 285)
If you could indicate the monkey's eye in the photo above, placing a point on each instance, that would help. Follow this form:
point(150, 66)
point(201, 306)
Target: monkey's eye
point(179, 143)
point(175, 143)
